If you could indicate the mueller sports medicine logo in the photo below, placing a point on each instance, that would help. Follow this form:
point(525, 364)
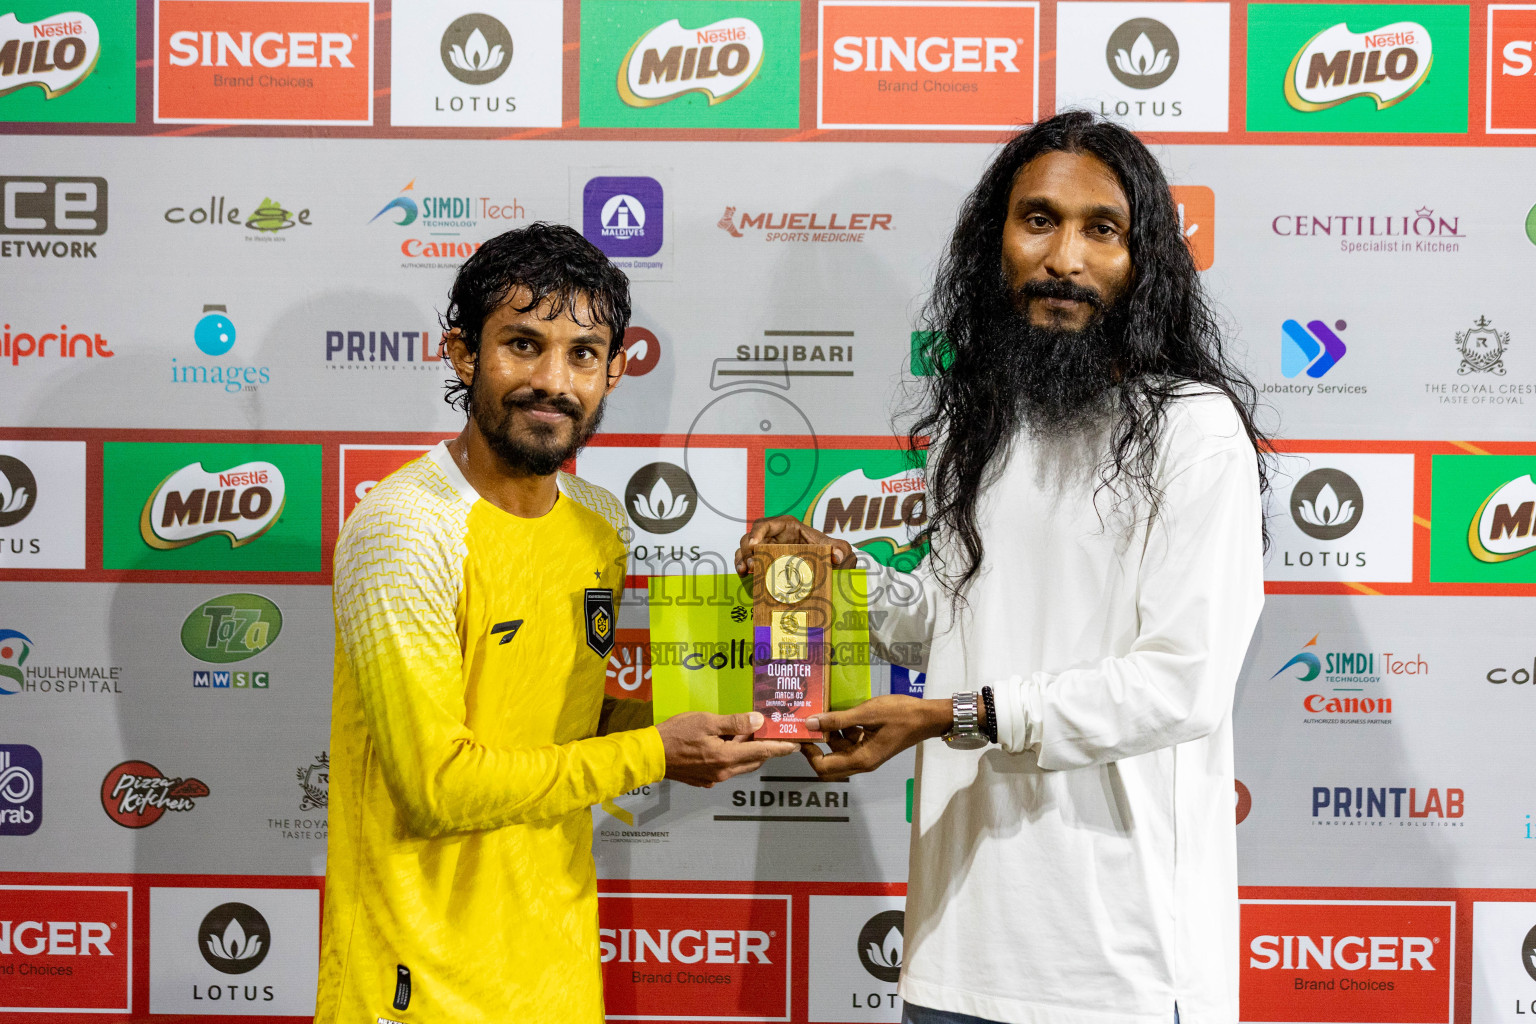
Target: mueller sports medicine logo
point(804, 227)
point(55, 54)
point(65, 949)
point(135, 794)
point(1504, 525)
point(51, 206)
point(242, 503)
point(1347, 961)
point(1337, 65)
point(718, 61)
point(21, 789)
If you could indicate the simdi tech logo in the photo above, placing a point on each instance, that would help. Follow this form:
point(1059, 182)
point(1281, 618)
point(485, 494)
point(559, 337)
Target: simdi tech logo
point(690, 64)
point(211, 506)
point(1483, 519)
point(1357, 67)
point(1511, 94)
point(68, 61)
point(66, 949)
point(914, 65)
point(264, 61)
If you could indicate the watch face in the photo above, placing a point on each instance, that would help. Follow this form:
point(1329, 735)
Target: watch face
point(790, 579)
point(965, 741)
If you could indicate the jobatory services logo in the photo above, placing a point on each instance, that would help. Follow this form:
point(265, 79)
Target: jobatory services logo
point(136, 794)
point(1345, 516)
point(66, 948)
point(1315, 349)
point(68, 62)
point(256, 508)
point(214, 335)
point(42, 504)
point(1151, 67)
point(43, 207)
point(489, 63)
point(1483, 519)
point(444, 229)
point(1348, 961)
point(875, 500)
point(669, 956)
point(21, 788)
point(914, 65)
point(1511, 93)
point(257, 62)
point(693, 64)
point(1357, 67)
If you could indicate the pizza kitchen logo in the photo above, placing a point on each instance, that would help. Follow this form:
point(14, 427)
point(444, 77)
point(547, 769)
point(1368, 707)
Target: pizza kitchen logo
point(136, 794)
point(55, 54)
point(717, 61)
point(241, 503)
point(1337, 65)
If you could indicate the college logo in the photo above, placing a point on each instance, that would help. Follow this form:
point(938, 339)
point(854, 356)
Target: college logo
point(1482, 348)
point(880, 945)
point(1511, 69)
point(66, 948)
point(74, 65)
point(914, 65)
point(135, 794)
point(18, 490)
point(1314, 348)
point(623, 216)
point(1142, 53)
point(269, 219)
point(231, 628)
point(487, 63)
point(597, 603)
point(241, 503)
point(1327, 504)
point(21, 789)
point(244, 61)
point(1347, 961)
point(661, 498)
point(1357, 67)
point(700, 64)
point(234, 938)
point(14, 650)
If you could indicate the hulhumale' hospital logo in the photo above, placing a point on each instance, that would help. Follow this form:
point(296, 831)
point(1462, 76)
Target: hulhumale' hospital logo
point(55, 53)
point(1337, 65)
point(718, 60)
point(1314, 348)
point(14, 649)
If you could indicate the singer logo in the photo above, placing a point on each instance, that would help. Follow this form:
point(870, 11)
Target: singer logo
point(241, 503)
point(718, 61)
point(671, 957)
point(65, 949)
point(910, 65)
point(1314, 348)
point(1511, 69)
point(1504, 525)
point(1347, 961)
point(264, 61)
point(1337, 65)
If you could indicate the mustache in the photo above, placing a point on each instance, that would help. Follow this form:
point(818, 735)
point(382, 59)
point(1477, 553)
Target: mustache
point(1055, 288)
point(531, 399)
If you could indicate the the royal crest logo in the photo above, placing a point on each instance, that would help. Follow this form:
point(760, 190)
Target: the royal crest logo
point(598, 605)
point(1504, 526)
point(55, 54)
point(315, 783)
point(242, 503)
point(1482, 348)
point(718, 61)
point(1338, 65)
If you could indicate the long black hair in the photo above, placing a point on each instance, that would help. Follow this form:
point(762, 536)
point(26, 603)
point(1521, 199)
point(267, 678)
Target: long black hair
point(969, 413)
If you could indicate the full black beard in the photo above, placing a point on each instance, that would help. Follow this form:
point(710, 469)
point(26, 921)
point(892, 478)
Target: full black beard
point(542, 454)
point(1063, 380)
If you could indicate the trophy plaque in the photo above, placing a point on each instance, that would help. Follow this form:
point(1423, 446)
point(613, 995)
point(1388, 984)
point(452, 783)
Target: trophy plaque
point(791, 617)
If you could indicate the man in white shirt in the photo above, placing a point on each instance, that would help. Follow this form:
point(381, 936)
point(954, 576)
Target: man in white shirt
point(1094, 492)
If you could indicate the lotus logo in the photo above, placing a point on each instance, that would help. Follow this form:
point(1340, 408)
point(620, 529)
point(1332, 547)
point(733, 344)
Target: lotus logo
point(14, 648)
point(718, 61)
point(234, 938)
point(1504, 525)
point(476, 49)
point(1311, 664)
point(1337, 65)
point(1528, 953)
point(1326, 504)
point(18, 490)
point(1142, 53)
point(880, 945)
point(661, 498)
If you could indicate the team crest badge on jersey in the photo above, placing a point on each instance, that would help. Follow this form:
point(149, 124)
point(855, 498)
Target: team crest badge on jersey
point(599, 615)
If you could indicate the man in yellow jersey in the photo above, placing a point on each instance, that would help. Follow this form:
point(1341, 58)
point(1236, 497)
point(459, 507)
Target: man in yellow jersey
point(475, 602)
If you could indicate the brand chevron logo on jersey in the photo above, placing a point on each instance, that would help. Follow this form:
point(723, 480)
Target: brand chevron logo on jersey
point(599, 616)
point(509, 628)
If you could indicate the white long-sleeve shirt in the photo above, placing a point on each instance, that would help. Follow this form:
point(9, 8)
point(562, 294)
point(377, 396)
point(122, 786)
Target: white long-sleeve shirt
point(1084, 870)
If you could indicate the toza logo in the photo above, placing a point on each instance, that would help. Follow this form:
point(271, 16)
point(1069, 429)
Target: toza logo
point(718, 61)
point(1143, 53)
point(1314, 348)
point(241, 503)
point(476, 49)
point(880, 945)
point(54, 54)
point(661, 498)
point(1482, 348)
point(1338, 65)
point(231, 628)
point(1327, 504)
point(1504, 525)
point(234, 938)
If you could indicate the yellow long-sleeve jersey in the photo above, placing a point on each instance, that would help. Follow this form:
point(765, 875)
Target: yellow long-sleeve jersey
point(470, 653)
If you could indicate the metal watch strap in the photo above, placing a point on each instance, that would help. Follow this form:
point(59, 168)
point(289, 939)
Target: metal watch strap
point(965, 733)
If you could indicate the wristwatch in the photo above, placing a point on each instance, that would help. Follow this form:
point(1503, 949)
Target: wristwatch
point(966, 733)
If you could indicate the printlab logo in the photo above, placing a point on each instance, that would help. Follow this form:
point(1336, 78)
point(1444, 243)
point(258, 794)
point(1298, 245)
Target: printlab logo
point(234, 938)
point(21, 789)
point(1142, 53)
point(18, 490)
point(15, 647)
point(623, 216)
point(661, 498)
point(1482, 348)
point(476, 49)
point(136, 794)
point(880, 945)
point(1327, 504)
point(315, 783)
point(1314, 348)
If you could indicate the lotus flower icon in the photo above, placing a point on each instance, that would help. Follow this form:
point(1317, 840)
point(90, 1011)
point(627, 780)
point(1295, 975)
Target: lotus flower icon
point(476, 54)
point(661, 503)
point(234, 944)
point(12, 500)
point(888, 952)
point(1326, 509)
point(1144, 60)
point(235, 938)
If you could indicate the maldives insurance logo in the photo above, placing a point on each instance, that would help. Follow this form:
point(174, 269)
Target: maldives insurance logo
point(1357, 67)
point(694, 64)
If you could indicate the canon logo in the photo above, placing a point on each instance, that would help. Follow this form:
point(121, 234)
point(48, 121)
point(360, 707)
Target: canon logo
point(1351, 953)
point(684, 946)
point(935, 53)
point(269, 49)
point(55, 938)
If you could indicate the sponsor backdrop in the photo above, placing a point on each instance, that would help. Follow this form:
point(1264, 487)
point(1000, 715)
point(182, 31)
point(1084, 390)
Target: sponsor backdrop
point(227, 228)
